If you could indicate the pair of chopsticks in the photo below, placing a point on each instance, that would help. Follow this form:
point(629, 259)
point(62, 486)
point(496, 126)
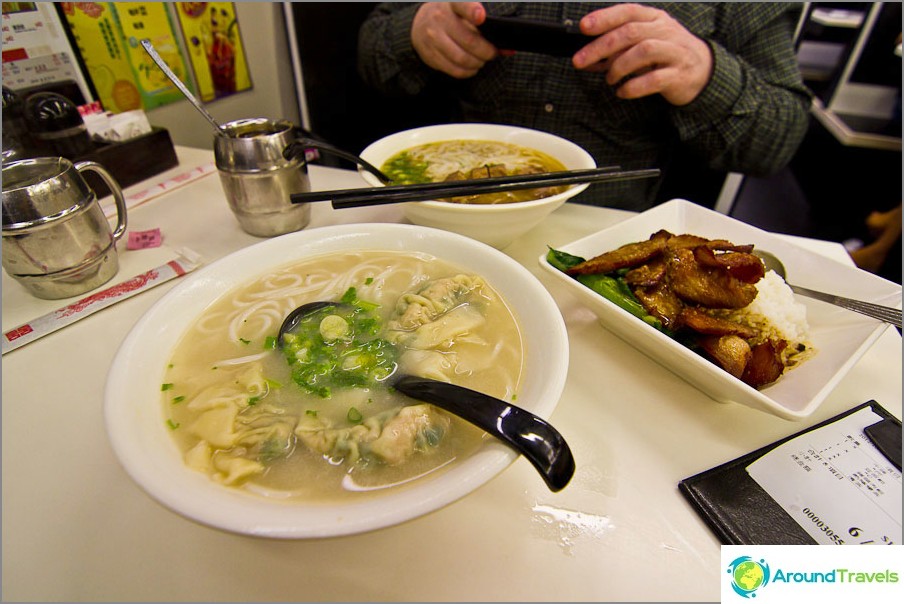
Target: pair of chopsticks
point(352, 198)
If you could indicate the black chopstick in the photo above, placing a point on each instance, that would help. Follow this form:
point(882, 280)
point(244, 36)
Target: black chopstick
point(434, 186)
point(350, 198)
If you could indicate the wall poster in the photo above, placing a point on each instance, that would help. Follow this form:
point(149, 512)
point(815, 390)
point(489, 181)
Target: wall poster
point(211, 34)
point(108, 35)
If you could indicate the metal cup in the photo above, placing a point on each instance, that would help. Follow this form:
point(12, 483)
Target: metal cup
point(56, 240)
point(258, 179)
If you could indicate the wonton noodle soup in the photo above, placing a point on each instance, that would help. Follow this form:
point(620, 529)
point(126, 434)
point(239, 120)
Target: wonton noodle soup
point(246, 417)
point(470, 159)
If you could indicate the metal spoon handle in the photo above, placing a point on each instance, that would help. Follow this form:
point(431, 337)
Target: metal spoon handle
point(178, 83)
point(297, 148)
point(528, 434)
point(876, 311)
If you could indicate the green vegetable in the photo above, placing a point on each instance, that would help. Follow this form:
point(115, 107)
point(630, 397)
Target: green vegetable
point(354, 416)
point(333, 327)
point(617, 291)
point(562, 260)
point(244, 341)
point(270, 343)
point(178, 399)
point(172, 425)
point(351, 297)
point(339, 347)
point(403, 169)
point(611, 286)
point(165, 387)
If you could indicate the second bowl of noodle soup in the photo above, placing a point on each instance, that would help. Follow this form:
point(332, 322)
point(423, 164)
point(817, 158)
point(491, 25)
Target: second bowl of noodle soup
point(456, 151)
point(218, 423)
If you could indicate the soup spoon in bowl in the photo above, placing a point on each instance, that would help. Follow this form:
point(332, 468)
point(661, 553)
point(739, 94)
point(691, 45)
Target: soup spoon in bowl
point(526, 433)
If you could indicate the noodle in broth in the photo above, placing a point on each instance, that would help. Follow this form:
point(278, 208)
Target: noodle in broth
point(467, 159)
point(240, 415)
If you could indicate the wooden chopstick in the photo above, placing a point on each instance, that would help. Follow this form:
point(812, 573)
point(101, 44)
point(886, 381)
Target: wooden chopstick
point(350, 198)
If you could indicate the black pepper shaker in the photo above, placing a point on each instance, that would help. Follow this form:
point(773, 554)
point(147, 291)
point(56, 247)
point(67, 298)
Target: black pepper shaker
point(54, 121)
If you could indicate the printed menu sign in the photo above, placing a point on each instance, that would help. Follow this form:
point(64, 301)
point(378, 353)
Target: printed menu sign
point(36, 50)
point(835, 483)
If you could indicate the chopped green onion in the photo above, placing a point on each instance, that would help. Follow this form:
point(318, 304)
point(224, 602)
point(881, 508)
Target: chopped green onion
point(270, 343)
point(172, 425)
point(311, 412)
point(272, 384)
point(244, 341)
point(178, 399)
point(368, 281)
point(166, 387)
point(354, 416)
point(253, 401)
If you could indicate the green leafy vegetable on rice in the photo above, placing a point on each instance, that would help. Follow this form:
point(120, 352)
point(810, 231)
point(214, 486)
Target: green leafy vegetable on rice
point(611, 286)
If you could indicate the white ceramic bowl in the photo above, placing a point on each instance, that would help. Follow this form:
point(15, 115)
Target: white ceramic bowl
point(135, 417)
point(497, 225)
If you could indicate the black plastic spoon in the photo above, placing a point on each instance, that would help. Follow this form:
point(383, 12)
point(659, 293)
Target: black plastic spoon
point(520, 429)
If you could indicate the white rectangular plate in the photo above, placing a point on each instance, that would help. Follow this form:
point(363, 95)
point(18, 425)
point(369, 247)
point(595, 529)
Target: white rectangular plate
point(839, 336)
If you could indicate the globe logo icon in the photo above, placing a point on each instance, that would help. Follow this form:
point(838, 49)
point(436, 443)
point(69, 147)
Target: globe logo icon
point(748, 575)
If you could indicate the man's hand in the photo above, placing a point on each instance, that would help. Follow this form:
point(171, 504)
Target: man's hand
point(647, 44)
point(445, 36)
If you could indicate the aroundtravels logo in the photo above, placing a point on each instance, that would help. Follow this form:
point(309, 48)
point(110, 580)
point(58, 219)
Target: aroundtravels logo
point(748, 575)
point(790, 574)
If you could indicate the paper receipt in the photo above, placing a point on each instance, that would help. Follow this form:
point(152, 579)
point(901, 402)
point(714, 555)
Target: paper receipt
point(835, 483)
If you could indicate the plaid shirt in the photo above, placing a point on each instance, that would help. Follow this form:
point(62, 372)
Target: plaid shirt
point(750, 118)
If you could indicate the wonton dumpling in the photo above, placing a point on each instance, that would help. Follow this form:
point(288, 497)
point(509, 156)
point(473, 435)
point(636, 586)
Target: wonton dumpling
point(217, 426)
point(247, 383)
point(409, 432)
point(442, 332)
point(429, 364)
point(434, 299)
point(319, 435)
point(392, 436)
point(232, 470)
point(200, 457)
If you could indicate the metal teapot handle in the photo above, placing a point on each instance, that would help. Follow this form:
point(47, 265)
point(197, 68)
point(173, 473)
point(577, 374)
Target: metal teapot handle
point(121, 214)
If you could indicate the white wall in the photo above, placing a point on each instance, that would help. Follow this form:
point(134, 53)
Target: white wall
point(273, 89)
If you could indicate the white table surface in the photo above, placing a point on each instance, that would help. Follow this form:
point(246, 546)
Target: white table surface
point(76, 528)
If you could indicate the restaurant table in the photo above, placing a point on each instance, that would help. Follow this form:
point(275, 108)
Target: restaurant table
point(77, 528)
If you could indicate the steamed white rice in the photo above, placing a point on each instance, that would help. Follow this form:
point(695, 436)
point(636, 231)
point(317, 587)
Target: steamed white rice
point(777, 315)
